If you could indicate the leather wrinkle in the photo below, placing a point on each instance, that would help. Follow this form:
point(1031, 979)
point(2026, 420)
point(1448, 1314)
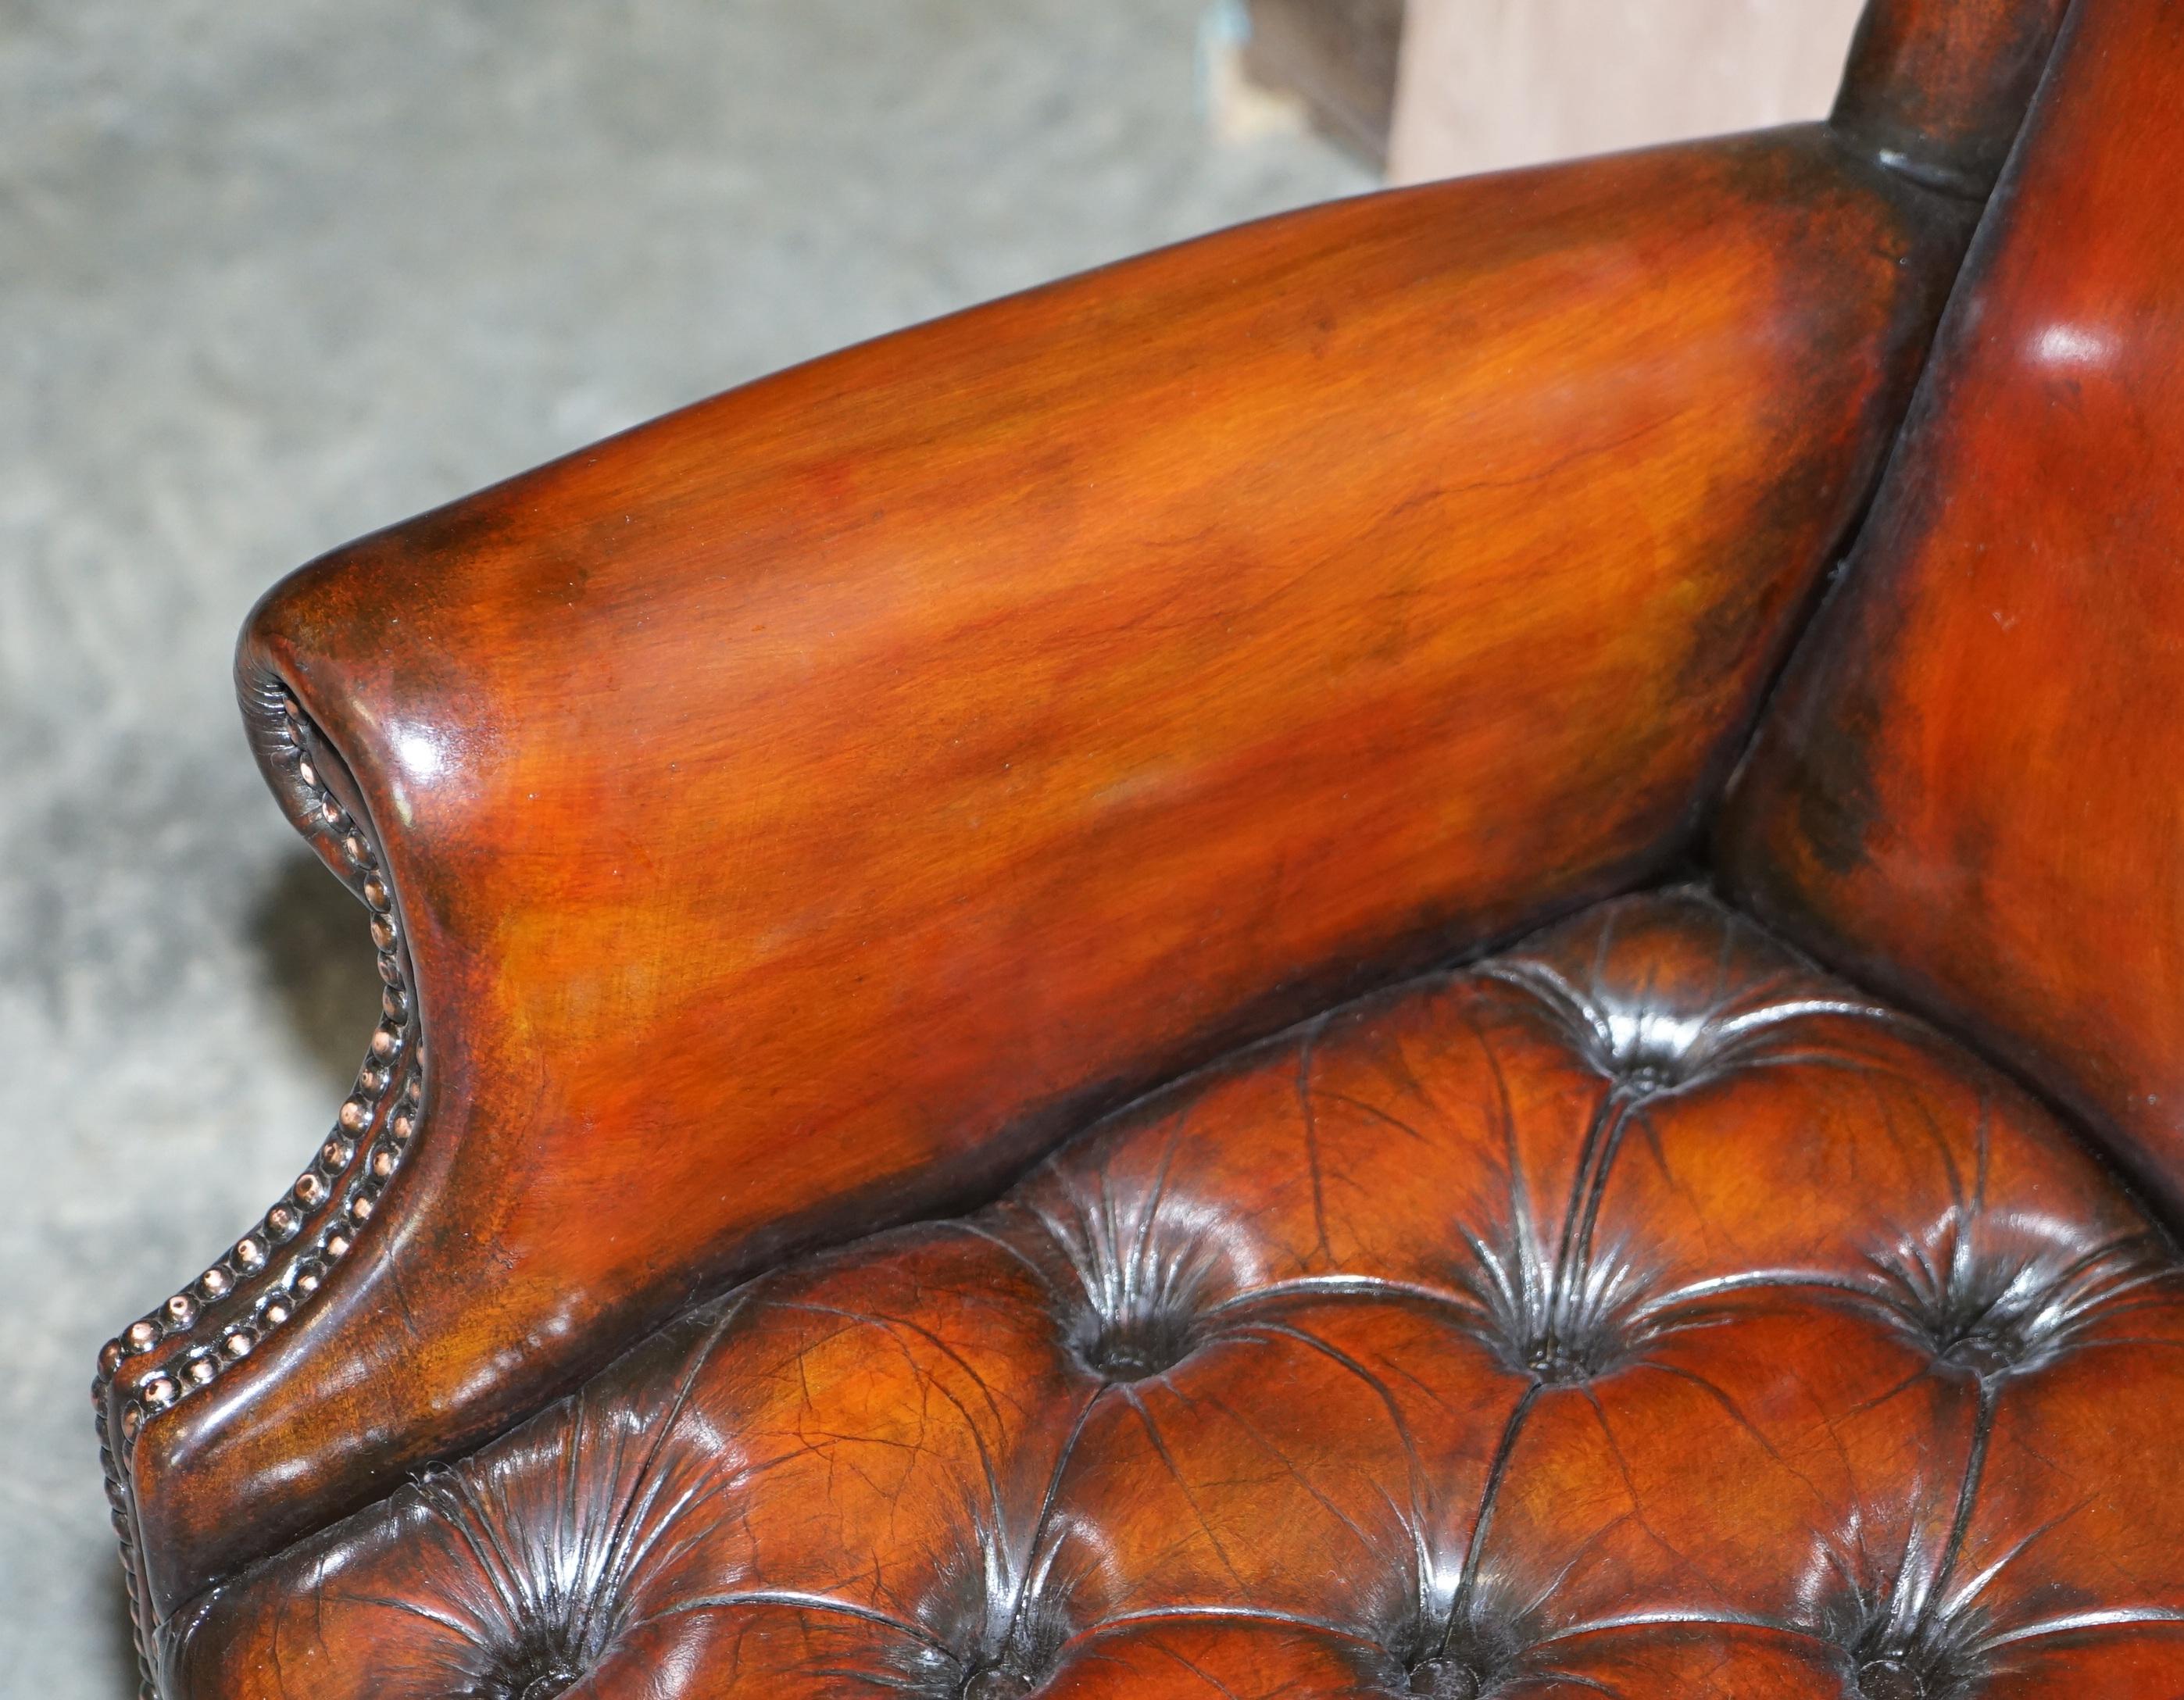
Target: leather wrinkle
point(1636, 1313)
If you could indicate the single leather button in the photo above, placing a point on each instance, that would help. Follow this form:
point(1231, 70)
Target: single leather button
point(995, 1683)
point(1890, 1679)
point(534, 1666)
point(1987, 1355)
point(1444, 1679)
point(1137, 1347)
point(1129, 1359)
point(543, 1686)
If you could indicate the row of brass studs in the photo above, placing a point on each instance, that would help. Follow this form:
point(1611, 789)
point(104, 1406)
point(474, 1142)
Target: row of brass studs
point(281, 1227)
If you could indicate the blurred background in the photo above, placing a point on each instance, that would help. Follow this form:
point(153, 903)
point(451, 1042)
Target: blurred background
point(272, 275)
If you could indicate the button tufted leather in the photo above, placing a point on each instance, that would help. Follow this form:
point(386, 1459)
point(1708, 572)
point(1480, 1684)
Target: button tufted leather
point(1637, 1314)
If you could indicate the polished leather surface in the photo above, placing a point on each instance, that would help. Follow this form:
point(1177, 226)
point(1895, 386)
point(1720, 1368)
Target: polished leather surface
point(1639, 1314)
point(1969, 793)
point(856, 783)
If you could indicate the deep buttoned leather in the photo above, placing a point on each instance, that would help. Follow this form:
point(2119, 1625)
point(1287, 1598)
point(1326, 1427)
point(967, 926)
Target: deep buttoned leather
point(1637, 1314)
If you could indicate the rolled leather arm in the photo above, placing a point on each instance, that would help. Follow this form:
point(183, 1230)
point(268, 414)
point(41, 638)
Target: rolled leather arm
point(795, 814)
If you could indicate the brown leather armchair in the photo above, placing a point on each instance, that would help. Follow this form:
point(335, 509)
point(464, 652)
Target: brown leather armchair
point(1143, 993)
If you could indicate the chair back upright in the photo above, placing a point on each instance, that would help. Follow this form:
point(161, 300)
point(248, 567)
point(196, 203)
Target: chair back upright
point(1967, 789)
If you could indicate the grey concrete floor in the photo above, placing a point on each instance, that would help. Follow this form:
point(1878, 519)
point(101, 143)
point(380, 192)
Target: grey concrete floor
point(273, 274)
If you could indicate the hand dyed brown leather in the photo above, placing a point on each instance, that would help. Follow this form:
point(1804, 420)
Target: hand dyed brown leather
point(1637, 1313)
point(1967, 795)
point(783, 824)
point(800, 813)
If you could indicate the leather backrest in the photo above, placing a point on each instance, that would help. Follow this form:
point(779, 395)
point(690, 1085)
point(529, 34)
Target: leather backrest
point(1967, 792)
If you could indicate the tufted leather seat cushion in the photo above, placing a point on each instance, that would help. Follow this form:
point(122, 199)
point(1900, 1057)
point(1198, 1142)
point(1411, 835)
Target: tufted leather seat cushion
point(1638, 1314)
